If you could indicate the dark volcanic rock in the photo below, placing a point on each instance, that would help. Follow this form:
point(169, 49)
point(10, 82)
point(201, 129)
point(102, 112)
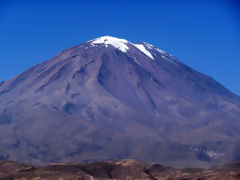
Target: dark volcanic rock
point(112, 99)
point(122, 170)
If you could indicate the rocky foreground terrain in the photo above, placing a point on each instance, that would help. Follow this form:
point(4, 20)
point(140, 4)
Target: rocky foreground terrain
point(123, 169)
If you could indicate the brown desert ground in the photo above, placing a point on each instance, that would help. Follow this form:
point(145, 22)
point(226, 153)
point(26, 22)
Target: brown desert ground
point(127, 169)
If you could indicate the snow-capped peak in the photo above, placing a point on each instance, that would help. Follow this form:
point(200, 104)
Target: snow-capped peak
point(115, 42)
point(148, 45)
point(144, 50)
point(123, 45)
point(120, 44)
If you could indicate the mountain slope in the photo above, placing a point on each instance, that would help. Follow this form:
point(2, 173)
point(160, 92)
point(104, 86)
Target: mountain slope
point(111, 99)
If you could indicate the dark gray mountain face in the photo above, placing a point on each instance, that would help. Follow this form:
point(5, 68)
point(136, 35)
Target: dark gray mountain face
point(112, 99)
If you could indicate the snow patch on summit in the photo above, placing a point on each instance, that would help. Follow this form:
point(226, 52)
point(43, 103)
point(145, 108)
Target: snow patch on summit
point(143, 49)
point(115, 42)
point(123, 45)
point(160, 51)
point(148, 45)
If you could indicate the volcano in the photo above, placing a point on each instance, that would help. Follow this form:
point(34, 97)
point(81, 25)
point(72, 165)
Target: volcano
point(110, 99)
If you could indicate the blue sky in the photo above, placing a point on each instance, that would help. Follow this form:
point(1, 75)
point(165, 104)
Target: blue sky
point(205, 35)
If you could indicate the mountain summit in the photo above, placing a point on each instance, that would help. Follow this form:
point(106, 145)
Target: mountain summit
point(112, 99)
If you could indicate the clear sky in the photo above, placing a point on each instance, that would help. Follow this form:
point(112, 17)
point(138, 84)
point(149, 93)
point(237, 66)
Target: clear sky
point(205, 35)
